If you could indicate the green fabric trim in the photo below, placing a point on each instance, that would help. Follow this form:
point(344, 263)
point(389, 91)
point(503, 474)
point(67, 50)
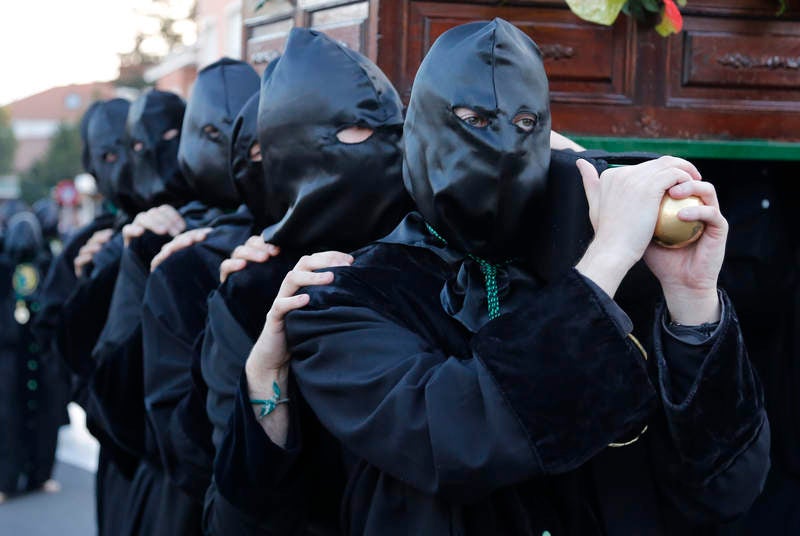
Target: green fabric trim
point(714, 149)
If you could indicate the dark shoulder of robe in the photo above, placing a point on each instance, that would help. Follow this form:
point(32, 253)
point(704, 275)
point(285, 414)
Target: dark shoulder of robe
point(61, 279)
point(85, 311)
point(117, 384)
point(116, 389)
point(33, 392)
point(504, 430)
point(82, 317)
point(173, 318)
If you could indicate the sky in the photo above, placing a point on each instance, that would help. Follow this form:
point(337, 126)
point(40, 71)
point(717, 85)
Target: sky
point(48, 43)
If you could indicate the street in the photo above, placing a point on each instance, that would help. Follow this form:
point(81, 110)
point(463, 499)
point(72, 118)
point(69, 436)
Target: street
point(70, 511)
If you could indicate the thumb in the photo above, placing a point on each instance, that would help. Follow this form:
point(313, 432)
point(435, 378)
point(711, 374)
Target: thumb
point(591, 180)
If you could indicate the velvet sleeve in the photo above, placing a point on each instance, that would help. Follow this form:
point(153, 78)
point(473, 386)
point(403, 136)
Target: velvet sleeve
point(85, 311)
point(57, 286)
point(260, 486)
point(226, 346)
point(541, 391)
point(236, 314)
point(116, 392)
point(173, 315)
point(711, 444)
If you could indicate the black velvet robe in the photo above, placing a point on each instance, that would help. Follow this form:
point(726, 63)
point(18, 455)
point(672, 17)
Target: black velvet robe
point(155, 506)
point(504, 429)
point(59, 284)
point(173, 319)
point(260, 488)
point(61, 279)
point(81, 320)
point(33, 392)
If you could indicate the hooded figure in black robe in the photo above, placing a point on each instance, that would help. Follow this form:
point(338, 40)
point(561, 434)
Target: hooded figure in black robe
point(477, 379)
point(32, 397)
point(325, 194)
point(203, 191)
point(132, 151)
point(105, 157)
point(46, 211)
point(174, 306)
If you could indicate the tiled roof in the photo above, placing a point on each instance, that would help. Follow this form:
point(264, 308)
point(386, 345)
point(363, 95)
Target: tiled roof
point(65, 103)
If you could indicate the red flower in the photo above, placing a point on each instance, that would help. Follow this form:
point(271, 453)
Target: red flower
point(671, 22)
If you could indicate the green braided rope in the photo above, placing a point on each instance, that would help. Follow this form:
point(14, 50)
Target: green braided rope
point(489, 272)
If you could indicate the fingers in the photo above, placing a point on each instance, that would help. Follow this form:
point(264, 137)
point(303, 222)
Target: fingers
point(79, 262)
point(666, 178)
point(230, 266)
point(281, 307)
point(159, 220)
point(591, 180)
point(178, 243)
point(303, 275)
point(250, 253)
point(324, 259)
point(296, 279)
point(591, 187)
point(711, 215)
point(101, 237)
point(253, 250)
point(131, 231)
point(666, 162)
point(88, 251)
point(703, 190)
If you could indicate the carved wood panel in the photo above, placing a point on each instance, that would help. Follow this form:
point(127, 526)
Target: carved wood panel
point(734, 63)
point(732, 74)
point(585, 62)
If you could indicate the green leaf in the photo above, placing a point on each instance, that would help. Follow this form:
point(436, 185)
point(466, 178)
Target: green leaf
point(600, 12)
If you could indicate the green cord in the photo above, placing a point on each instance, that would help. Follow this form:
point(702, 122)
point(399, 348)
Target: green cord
point(269, 405)
point(489, 272)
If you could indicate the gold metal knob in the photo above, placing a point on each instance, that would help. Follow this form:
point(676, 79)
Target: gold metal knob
point(674, 233)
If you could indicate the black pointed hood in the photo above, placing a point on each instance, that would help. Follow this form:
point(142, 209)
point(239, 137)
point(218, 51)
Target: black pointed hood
point(218, 95)
point(326, 193)
point(46, 211)
point(105, 154)
point(153, 135)
point(480, 187)
point(247, 174)
point(23, 239)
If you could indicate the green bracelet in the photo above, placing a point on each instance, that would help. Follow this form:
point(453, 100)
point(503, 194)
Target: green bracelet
point(269, 405)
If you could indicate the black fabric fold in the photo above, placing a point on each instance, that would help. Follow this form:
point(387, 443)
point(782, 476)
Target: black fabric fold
point(549, 351)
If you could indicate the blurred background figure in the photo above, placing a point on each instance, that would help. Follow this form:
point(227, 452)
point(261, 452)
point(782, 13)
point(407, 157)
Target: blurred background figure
point(32, 392)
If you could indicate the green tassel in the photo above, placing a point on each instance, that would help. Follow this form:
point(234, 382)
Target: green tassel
point(489, 272)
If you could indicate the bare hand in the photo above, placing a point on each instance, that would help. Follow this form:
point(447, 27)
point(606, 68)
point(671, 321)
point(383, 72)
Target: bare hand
point(254, 250)
point(688, 275)
point(269, 359)
point(559, 141)
point(159, 220)
point(623, 207)
point(182, 241)
point(89, 249)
